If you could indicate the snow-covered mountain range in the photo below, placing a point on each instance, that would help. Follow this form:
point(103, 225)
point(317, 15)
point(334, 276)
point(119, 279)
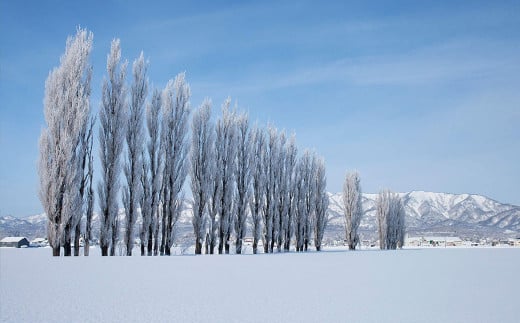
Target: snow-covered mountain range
point(427, 213)
point(464, 215)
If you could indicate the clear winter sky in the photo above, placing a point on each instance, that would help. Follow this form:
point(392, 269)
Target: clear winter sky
point(415, 95)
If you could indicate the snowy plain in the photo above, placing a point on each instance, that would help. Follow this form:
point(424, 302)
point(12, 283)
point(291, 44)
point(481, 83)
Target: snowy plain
point(423, 285)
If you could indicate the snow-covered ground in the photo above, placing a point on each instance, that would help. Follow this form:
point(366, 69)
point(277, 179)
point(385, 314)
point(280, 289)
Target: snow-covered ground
point(428, 285)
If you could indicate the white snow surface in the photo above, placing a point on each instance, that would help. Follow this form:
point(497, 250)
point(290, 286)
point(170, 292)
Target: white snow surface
point(446, 285)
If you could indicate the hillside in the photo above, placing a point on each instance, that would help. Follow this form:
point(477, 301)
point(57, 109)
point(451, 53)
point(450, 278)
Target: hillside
point(464, 215)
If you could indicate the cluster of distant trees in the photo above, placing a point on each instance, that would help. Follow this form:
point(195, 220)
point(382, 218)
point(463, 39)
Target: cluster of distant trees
point(235, 170)
point(389, 212)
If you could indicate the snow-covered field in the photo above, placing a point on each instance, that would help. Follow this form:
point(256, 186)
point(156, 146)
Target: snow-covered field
point(428, 285)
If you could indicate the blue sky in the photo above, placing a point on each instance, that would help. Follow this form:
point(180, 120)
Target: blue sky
point(415, 95)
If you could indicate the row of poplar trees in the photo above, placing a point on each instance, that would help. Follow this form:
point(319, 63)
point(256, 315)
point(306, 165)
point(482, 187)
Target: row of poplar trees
point(236, 171)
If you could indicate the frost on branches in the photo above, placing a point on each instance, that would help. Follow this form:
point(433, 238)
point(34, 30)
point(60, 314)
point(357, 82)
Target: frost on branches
point(151, 179)
point(352, 208)
point(132, 192)
point(225, 143)
point(66, 109)
point(112, 118)
point(201, 155)
point(174, 148)
point(391, 220)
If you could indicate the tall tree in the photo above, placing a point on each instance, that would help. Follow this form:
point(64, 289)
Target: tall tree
point(66, 110)
point(85, 187)
point(243, 177)
point(281, 197)
point(321, 203)
point(259, 181)
point(290, 173)
point(215, 198)
point(306, 200)
point(225, 142)
point(353, 208)
point(201, 155)
point(112, 118)
point(151, 179)
point(133, 168)
point(174, 141)
point(89, 201)
point(271, 172)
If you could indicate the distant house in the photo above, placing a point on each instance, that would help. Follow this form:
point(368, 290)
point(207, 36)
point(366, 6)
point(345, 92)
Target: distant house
point(39, 242)
point(434, 241)
point(14, 242)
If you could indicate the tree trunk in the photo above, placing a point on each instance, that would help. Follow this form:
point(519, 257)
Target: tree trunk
point(227, 247)
point(150, 241)
point(238, 246)
point(67, 249)
point(56, 251)
point(167, 251)
point(77, 234)
point(104, 251)
point(113, 249)
point(318, 248)
point(86, 248)
point(163, 229)
point(143, 249)
point(221, 242)
point(255, 246)
point(266, 247)
point(198, 247)
point(206, 244)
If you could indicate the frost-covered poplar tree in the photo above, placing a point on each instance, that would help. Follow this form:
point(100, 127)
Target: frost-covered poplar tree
point(66, 110)
point(85, 188)
point(174, 145)
point(145, 203)
point(290, 172)
point(89, 199)
point(281, 197)
point(244, 148)
point(299, 209)
point(271, 171)
point(215, 198)
point(225, 142)
point(112, 118)
point(201, 155)
point(306, 200)
point(151, 179)
point(352, 207)
point(258, 184)
point(133, 167)
point(321, 203)
point(390, 215)
point(395, 223)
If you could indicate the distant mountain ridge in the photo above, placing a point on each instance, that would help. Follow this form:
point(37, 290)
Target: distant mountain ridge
point(464, 215)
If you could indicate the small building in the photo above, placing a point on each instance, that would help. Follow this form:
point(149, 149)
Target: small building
point(434, 241)
point(14, 242)
point(39, 242)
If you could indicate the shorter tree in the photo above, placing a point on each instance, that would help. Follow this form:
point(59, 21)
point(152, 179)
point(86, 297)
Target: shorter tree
point(352, 208)
point(391, 220)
